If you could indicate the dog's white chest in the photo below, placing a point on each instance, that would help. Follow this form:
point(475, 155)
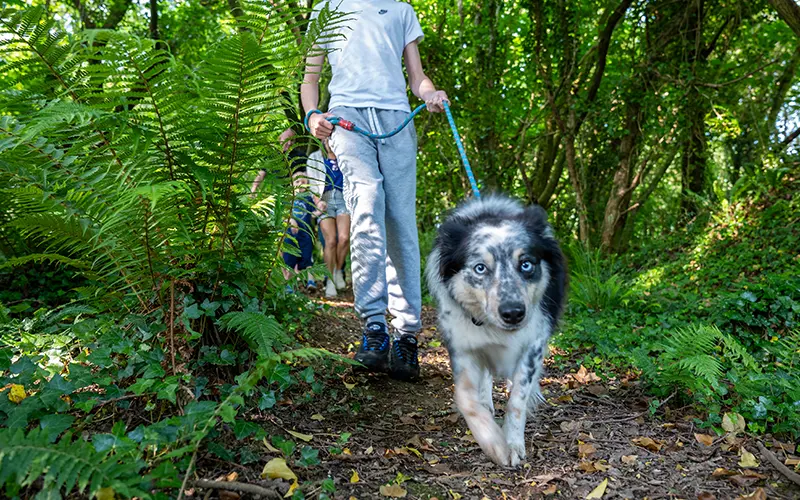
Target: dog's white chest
point(498, 351)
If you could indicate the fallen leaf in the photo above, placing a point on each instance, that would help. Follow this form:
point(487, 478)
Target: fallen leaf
point(629, 459)
point(584, 376)
point(742, 480)
point(586, 449)
point(748, 459)
point(601, 466)
point(753, 474)
point(228, 495)
point(277, 469)
point(566, 398)
point(369, 450)
point(570, 425)
point(792, 461)
point(347, 451)
point(586, 466)
point(648, 443)
point(233, 476)
point(393, 491)
point(303, 437)
point(758, 494)
point(704, 439)
point(452, 418)
point(597, 390)
point(733, 423)
point(599, 490)
point(350, 386)
point(722, 472)
point(706, 496)
point(455, 495)
point(270, 447)
point(354, 478)
point(17, 394)
point(550, 490)
point(318, 417)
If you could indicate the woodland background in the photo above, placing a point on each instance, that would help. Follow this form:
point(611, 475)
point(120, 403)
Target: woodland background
point(142, 307)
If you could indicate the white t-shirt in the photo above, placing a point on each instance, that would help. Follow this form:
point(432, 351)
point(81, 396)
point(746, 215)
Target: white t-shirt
point(316, 172)
point(367, 65)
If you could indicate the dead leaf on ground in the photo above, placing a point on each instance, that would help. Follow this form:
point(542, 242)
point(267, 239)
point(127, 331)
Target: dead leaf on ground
point(597, 390)
point(544, 479)
point(599, 490)
point(758, 494)
point(571, 425)
point(393, 491)
point(318, 417)
point(301, 436)
point(706, 496)
point(566, 398)
point(270, 447)
point(742, 480)
point(792, 461)
point(733, 423)
point(648, 443)
point(584, 376)
point(598, 466)
point(704, 439)
point(452, 418)
point(277, 469)
point(228, 495)
point(354, 477)
point(723, 472)
point(629, 459)
point(586, 450)
point(550, 490)
point(748, 459)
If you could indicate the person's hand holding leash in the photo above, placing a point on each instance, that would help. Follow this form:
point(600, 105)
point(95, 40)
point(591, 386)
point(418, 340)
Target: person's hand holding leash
point(319, 125)
point(434, 99)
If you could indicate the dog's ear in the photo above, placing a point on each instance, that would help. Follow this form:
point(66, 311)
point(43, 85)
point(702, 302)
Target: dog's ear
point(452, 243)
point(536, 220)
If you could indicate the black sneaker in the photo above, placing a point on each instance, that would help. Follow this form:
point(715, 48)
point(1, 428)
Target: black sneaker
point(403, 364)
point(374, 350)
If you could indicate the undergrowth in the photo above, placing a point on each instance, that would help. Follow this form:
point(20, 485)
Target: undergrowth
point(711, 313)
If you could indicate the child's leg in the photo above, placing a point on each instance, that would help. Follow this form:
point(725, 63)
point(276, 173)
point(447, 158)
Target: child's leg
point(398, 162)
point(366, 202)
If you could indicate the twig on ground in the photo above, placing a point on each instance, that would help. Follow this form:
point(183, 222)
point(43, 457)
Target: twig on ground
point(236, 486)
point(771, 458)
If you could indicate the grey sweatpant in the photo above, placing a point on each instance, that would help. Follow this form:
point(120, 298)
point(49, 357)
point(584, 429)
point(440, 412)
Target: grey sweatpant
point(380, 189)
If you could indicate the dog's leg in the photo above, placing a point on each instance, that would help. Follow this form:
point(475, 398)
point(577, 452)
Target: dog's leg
point(485, 391)
point(487, 433)
point(525, 381)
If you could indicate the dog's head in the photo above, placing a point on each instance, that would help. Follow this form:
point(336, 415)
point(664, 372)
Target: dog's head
point(500, 262)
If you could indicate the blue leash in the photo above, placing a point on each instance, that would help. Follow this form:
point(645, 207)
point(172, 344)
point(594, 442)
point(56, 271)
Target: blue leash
point(348, 125)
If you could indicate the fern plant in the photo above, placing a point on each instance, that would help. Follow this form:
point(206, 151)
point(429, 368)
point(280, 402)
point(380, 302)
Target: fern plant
point(129, 168)
point(68, 465)
point(694, 358)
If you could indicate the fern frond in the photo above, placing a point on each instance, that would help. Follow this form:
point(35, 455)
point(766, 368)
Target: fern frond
point(315, 354)
point(262, 332)
point(68, 464)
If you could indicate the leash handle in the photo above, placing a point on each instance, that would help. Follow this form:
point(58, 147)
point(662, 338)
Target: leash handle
point(472, 182)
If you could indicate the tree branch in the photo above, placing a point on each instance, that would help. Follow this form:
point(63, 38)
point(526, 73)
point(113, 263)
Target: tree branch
point(603, 45)
point(236, 486)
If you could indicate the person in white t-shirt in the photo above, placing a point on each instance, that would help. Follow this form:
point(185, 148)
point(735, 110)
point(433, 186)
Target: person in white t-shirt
point(366, 53)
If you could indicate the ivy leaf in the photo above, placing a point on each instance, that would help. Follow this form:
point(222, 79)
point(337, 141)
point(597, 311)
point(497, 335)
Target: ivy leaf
point(308, 456)
point(267, 400)
point(55, 424)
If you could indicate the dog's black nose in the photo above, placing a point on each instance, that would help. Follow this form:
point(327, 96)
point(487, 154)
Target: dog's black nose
point(512, 313)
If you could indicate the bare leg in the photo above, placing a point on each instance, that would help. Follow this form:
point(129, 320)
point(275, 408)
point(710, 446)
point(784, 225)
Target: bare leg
point(330, 251)
point(343, 239)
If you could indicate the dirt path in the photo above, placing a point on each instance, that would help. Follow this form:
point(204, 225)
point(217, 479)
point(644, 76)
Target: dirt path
point(410, 435)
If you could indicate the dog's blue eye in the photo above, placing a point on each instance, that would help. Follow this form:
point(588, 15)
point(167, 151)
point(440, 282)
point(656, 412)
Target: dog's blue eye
point(480, 268)
point(526, 266)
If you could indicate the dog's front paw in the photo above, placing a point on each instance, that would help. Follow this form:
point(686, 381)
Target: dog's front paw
point(499, 452)
point(516, 447)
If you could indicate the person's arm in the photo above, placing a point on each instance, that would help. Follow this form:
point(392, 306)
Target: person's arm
point(421, 85)
point(309, 95)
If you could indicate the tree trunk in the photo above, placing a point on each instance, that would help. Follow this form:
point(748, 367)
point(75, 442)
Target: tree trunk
point(789, 12)
point(154, 21)
point(621, 184)
point(693, 162)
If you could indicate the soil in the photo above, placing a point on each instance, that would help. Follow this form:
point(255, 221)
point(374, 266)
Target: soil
point(588, 432)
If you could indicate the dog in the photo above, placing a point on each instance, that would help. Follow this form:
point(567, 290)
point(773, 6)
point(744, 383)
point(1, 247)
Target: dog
point(499, 278)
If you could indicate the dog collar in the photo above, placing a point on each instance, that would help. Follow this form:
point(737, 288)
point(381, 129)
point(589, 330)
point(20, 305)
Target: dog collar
point(476, 322)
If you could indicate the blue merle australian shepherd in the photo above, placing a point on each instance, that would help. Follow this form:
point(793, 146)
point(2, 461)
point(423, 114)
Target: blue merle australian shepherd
point(499, 278)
